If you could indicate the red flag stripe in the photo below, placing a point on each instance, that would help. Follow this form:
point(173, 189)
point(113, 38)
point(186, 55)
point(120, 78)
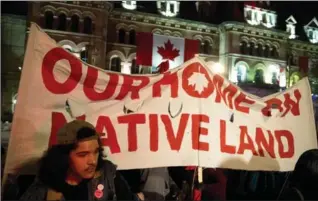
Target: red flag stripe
point(303, 63)
point(191, 47)
point(144, 43)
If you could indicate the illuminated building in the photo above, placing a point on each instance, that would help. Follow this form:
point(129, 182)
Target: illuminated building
point(251, 51)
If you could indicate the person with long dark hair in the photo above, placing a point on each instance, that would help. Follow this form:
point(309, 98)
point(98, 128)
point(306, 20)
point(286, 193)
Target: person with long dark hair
point(74, 169)
point(303, 182)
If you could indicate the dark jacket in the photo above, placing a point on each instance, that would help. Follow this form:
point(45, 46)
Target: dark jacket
point(153, 182)
point(116, 188)
point(293, 193)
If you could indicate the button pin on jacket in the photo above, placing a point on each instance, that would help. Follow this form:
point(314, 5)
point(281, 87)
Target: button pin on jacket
point(99, 191)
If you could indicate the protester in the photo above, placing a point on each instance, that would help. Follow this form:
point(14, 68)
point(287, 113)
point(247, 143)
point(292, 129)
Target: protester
point(133, 178)
point(214, 187)
point(303, 182)
point(150, 183)
point(73, 169)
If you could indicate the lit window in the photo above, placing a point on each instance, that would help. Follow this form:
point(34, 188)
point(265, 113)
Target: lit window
point(115, 64)
point(14, 102)
point(257, 16)
point(291, 31)
point(126, 68)
point(290, 27)
point(272, 77)
point(168, 8)
point(130, 5)
point(241, 73)
point(135, 69)
point(84, 54)
point(259, 76)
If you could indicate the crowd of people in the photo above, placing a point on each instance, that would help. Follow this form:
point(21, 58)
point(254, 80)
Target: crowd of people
point(74, 169)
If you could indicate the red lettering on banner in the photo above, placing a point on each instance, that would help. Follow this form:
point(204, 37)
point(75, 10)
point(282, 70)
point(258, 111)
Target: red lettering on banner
point(260, 142)
point(242, 98)
point(246, 145)
point(188, 72)
point(175, 140)
point(288, 103)
point(104, 122)
point(167, 79)
point(269, 104)
point(58, 121)
point(225, 94)
point(263, 143)
point(290, 141)
point(83, 117)
point(291, 105)
point(225, 148)
point(90, 81)
point(154, 129)
point(49, 61)
point(132, 120)
point(197, 130)
point(129, 86)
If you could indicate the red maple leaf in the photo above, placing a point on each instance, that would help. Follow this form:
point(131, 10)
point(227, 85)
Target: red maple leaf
point(168, 51)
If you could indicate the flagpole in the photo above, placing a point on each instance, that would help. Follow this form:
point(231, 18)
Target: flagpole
point(288, 63)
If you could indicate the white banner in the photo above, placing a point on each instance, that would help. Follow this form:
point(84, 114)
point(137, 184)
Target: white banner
point(187, 116)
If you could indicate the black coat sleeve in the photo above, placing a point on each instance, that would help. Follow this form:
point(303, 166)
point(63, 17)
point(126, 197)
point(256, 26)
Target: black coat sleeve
point(123, 191)
point(36, 191)
point(289, 194)
point(133, 178)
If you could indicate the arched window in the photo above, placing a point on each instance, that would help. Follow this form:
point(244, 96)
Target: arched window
point(14, 102)
point(84, 55)
point(132, 37)
point(75, 23)
point(274, 52)
point(259, 76)
point(135, 69)
point(121, 36)
point(294, 79)
point(62, 22)
point(243, 47)
point(251, 49)
point(293, 58)
point(130, 5)
point(201, 45)
point(68, 49)
point(266, 51)
point(88, 29)
point(206, 47)
point(274, 74)
point(48, 20)
point(168, 8)
point(260, 50)
point(241, 73)
point(275, 79)
point(115, 64)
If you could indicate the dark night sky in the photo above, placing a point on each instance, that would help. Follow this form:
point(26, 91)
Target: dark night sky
point(303, 11)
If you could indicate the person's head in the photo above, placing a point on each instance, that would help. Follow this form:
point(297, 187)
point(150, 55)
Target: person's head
point(305, 174)
point(76, 154)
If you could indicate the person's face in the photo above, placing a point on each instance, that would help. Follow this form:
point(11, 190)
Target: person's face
point(83, 159)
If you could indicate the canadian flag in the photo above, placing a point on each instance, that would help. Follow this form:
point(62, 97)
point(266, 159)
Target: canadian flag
point(164, 52)
point(303, 62)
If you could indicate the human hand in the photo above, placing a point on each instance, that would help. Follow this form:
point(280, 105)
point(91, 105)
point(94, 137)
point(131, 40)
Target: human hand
point(141, 196)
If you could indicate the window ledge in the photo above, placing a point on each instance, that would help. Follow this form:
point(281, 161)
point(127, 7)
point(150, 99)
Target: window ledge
point(122, 44)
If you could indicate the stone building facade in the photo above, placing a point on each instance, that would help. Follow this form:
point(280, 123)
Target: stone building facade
point(13, 38)
point(80, 27)
point(253, 51)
